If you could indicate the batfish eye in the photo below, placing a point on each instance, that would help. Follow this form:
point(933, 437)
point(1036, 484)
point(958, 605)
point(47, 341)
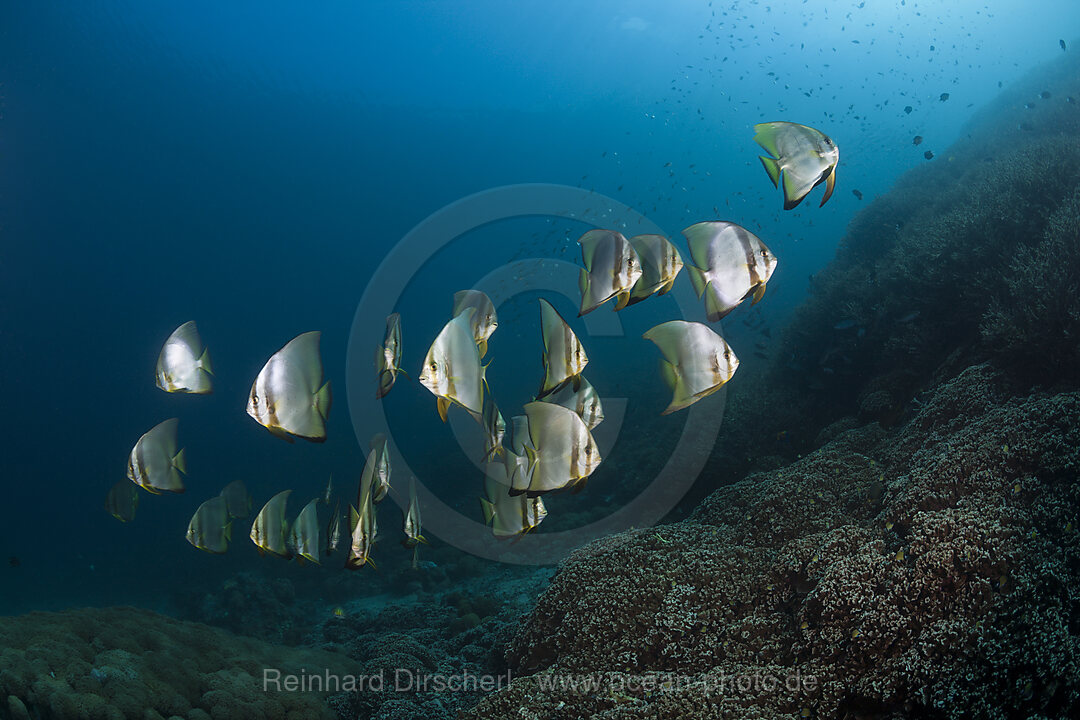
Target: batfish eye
point(255, 399)
point(434, 366)
point(727, 354)
point(764, 253)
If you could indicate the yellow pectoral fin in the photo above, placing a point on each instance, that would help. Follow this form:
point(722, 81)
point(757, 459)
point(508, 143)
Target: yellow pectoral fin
point(443, 406)
point(279, 432)
point(759, 292)
point(830, 183)
point(624, 298)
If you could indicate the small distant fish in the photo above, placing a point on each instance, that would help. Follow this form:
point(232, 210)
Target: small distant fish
point(305, 537)
point(1069, 99)
point(452, 369)
point(697, 362)
point(484, 320)
point(329, 491)
point(427, 565)
point(237, 499)
point(388, 357)
point(929, 155)
point(857, 194)
point(660, 265)
point(411, 527)
point(14, 561)
point(1029, 106)
point(611, 269)
point(908, 109)
point(1045, 95)
point(361, 536)
point(183, 365)
point(380, 481)
point(730, 265)
point(269, 531)
point(338, 612)
point(564, 357)
point(800, 157)
point(944, 97)
point(909, 317)
point(122, 501)
point(333, 531)
point(1062, 44)
point(917, 140)
point(289, 397)
point(494, 428)
point(210, 528)
point(155, 464)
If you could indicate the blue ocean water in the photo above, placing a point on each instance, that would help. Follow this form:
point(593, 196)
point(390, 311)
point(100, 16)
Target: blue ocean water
point(250, 165)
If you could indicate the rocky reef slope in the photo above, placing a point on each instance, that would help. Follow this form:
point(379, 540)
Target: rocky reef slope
point(131, 664)
point(927, 571)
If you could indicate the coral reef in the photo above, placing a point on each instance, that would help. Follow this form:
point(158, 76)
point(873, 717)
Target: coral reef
point(117, 663)
point(457, 634)
point(928, 570)
point(254, 605)
point(1035, 323)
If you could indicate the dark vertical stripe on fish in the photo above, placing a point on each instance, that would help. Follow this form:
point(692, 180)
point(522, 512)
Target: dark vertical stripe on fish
point(743, 236)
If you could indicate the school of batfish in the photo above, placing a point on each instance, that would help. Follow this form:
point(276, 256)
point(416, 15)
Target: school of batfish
point(548, 447)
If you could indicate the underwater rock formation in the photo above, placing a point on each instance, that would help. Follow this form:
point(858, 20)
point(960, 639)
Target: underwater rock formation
point(924, 571)
point(117, 663)
point(450, 635)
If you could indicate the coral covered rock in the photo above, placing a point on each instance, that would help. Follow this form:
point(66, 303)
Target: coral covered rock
point(126, 663)
point(925, 571)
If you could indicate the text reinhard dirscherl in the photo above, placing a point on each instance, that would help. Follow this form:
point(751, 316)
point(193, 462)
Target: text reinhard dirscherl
point(411, 680)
